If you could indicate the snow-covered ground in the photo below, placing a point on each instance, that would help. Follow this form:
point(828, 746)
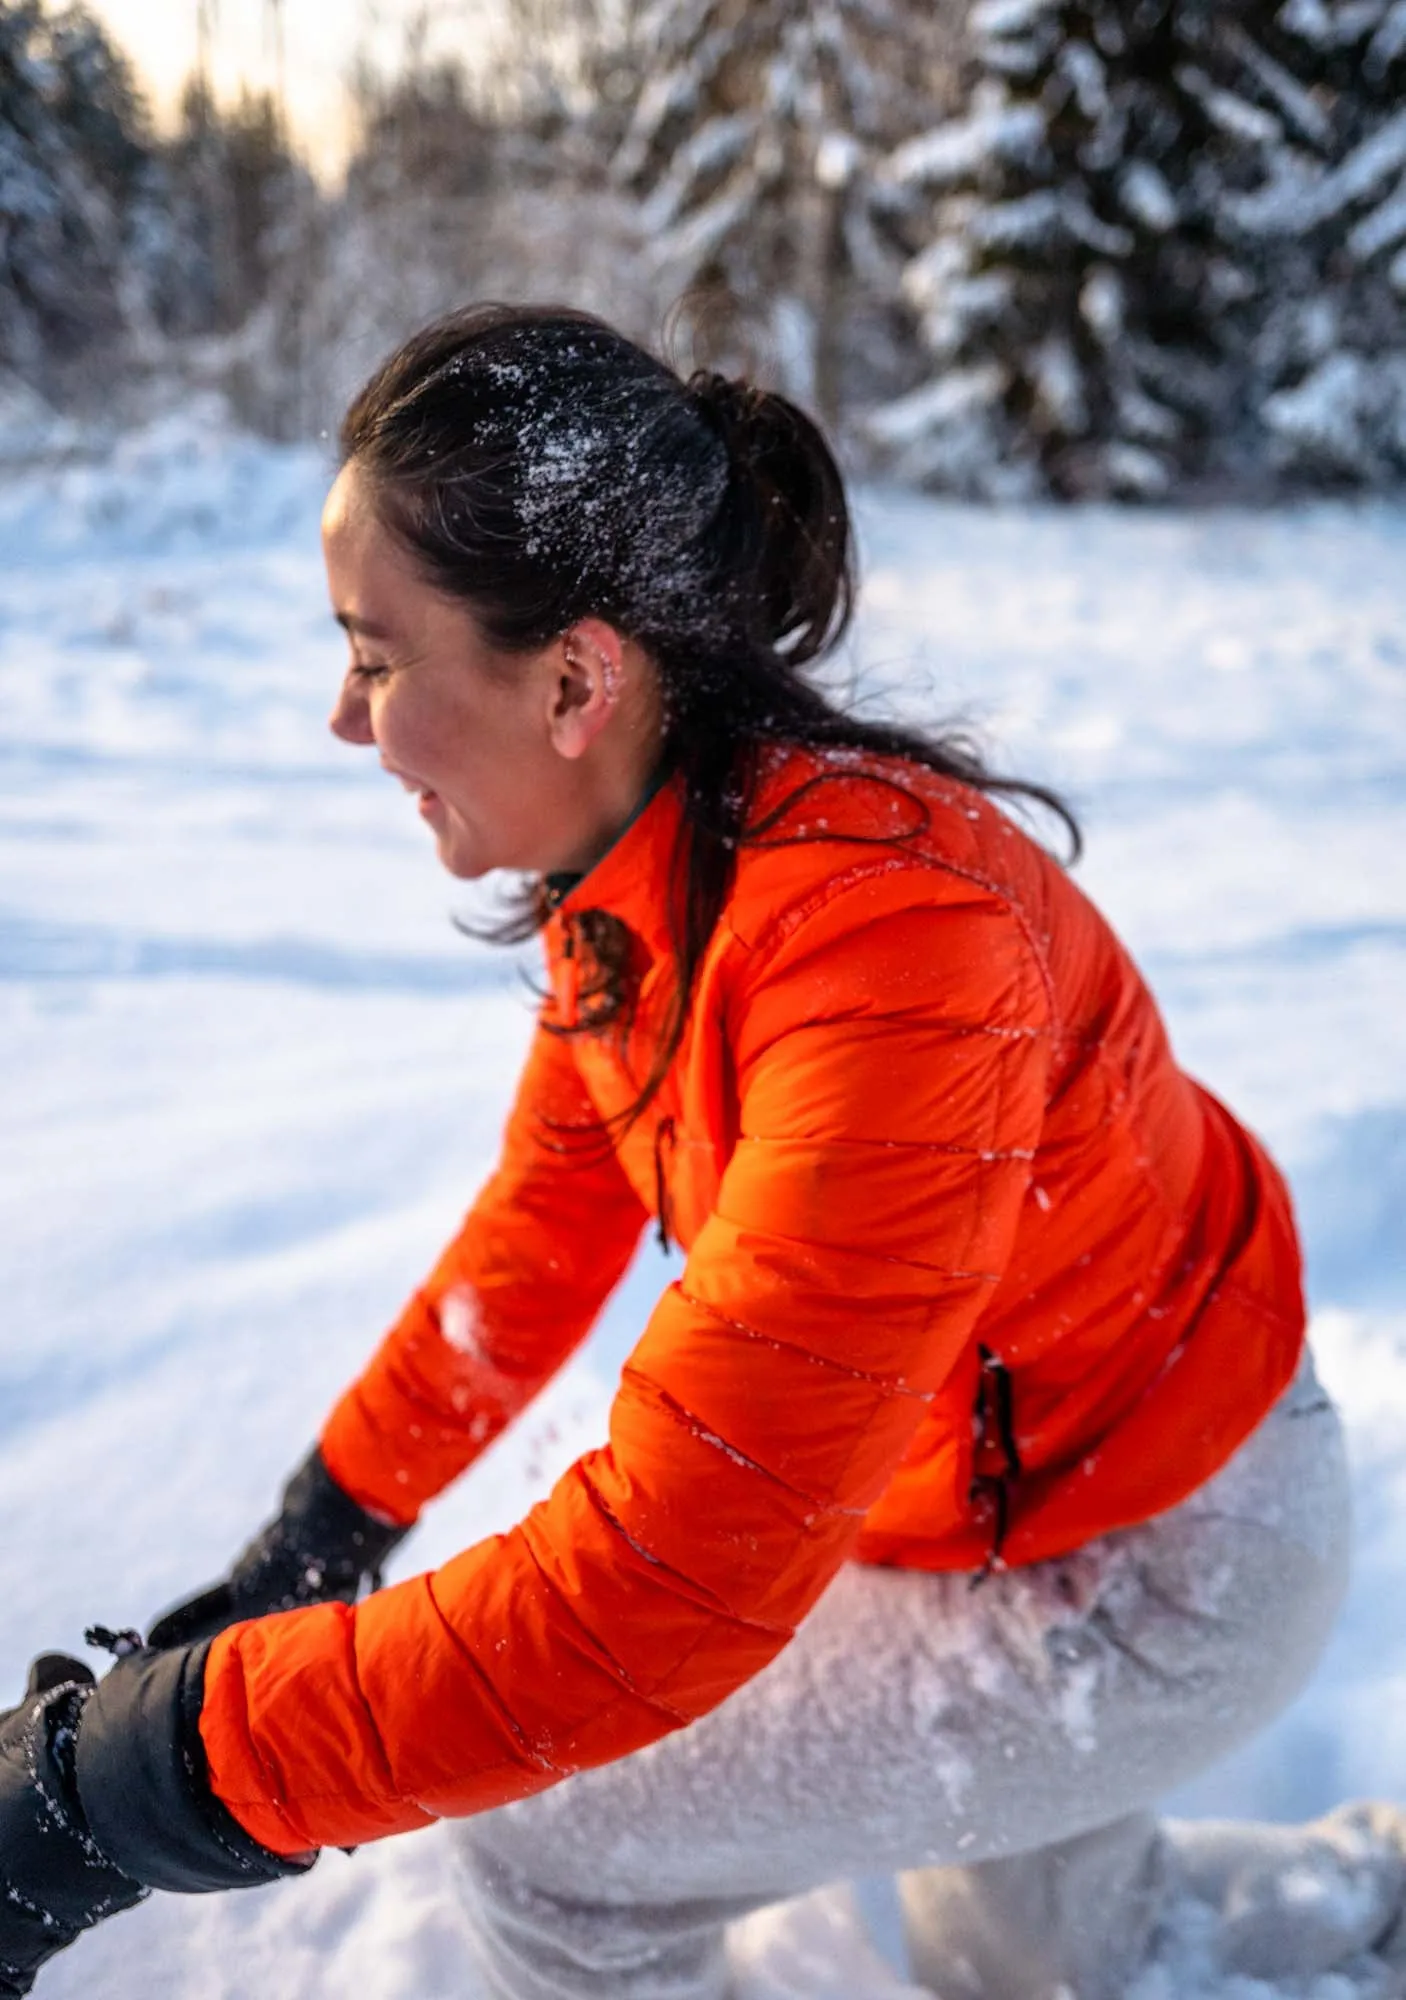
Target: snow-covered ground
point(251, 1075)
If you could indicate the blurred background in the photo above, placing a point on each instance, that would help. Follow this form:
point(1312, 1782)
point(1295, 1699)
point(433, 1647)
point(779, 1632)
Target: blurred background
point(1128, 248)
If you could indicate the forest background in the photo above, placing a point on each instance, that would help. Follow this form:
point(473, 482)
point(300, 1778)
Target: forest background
point(1136, 249)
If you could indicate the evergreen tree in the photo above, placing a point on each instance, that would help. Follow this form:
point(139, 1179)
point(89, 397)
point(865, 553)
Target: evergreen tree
point(571, 72)
point(752, 145)
point(222, 258)
point(79, 188)
point(1317, 219)
point(420, 128)
point(1129, 268)
point(233, 192)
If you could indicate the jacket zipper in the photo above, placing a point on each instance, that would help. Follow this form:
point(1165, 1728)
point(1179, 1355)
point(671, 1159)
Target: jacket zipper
point(993, 1420)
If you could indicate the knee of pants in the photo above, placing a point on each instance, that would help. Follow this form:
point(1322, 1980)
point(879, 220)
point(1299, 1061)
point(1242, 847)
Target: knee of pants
point(503, 1898)
point(542, 1944)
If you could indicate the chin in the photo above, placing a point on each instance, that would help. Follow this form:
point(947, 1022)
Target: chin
point(469, 859)
point(466, 864)
point(465, 867)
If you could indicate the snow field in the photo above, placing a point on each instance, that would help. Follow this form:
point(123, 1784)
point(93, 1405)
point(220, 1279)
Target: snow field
point(251, 1074)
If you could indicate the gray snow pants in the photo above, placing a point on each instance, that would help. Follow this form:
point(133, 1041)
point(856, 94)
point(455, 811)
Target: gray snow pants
point(999, 1747)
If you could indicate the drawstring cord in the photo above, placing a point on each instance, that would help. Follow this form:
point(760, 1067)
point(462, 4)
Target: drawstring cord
point(663, 1131)
point(569, 983)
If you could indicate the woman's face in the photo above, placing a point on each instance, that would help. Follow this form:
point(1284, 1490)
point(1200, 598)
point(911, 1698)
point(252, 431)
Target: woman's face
point(512, 758)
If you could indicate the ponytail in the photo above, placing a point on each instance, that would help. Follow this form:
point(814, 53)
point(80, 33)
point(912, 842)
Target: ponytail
point(787, 514)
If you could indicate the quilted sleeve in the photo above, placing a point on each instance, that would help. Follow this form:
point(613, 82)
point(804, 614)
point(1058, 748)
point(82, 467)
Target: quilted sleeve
point(512, 1296)
point(891, 1055)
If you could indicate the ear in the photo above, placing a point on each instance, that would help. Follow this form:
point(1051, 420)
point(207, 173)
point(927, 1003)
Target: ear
point(587, 682)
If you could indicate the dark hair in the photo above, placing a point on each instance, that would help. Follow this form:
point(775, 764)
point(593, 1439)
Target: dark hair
point(543, 468)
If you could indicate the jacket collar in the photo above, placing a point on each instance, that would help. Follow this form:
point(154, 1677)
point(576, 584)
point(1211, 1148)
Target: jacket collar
point(633, 878)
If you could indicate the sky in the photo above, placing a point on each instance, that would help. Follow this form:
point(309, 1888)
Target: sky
point(320, 39)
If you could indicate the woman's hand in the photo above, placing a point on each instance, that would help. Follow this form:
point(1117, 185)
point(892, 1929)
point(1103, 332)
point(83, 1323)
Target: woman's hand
point(104, 1797)
point(54, 1882)
point(322, 1545)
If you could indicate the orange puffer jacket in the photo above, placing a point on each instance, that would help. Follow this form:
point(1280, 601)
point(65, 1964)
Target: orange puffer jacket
point(972, 1269)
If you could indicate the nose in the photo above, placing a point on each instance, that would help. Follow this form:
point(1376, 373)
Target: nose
point(350, 719)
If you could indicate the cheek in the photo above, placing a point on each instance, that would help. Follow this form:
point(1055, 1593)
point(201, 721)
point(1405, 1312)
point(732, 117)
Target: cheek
point(504, 759)
point(476, 744)
point(416, 735)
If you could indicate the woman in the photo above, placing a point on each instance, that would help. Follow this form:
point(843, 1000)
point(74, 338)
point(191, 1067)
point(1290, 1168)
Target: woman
point(969, 1489)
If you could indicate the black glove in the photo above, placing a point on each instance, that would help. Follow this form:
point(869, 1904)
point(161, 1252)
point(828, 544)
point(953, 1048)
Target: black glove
point(103, 1797)
point(323, 1545)
point(53, 1881)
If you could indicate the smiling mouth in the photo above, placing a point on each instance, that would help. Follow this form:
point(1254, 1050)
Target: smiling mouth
point(424, 793)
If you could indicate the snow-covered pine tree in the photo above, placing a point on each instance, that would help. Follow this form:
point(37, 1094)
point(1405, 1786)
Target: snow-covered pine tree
point(232, 188)
point(1137, 253)
point(569, 74)
point(753, 144)
point(77, 175)
point(1063, 292)
point(1314, 216)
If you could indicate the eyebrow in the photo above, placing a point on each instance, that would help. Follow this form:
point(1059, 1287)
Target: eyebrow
point(362, 627)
